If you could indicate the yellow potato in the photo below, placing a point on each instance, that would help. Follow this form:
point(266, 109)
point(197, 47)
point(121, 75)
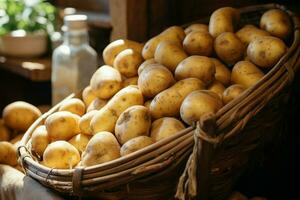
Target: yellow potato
point(80, 142)
point(223, 20)
point(8, 154)
point(88, 96)
point(97, 104)
point(147, 103)
point(165, 127)
point(74, 105)
point(250, 32)
point(5, 133)
point(198, 43)
point(61, 155)
point(169, 54)
point(114, 48)
point(102, 147)
point(246, 74)
point(217, 87)
point(136, 144)
point(39, 140)
point(196, 27)
point(276, 22)
point(84, 122)
point(222, 74)
point(146, 64)
point(130, 81)
point(232, 92)
point(198, 103)
point(150, 47)
point(127, 62)
point(266, 51)
point(62, 125)
point(155, 79)
point(20, 115)
point(167, 103)
point(174, 33)
point(200, 67)
point(133, 122)
point(106, 82)
point(106, 118)
point(229, 48)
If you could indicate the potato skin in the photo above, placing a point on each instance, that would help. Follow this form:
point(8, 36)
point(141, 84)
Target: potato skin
point(106, 82)
point(8, 154)
point(250, 32)
point(146, 64)
point(102, 147)
point(154, 80)
point(130, 81)
point(232, 92)
point(165, 127)
point(62, 125)
point(276, 22)
point(167, 103)
point(61, 155)
point(39, 140)
point(229, 48)
point(198, 103)
point(223, 20)
point(198, 43)
point(135, 144)
point(196, 27)
point(5, 132)
point(133, 122)
point(106, 118)
point(97, 104)
point(246, 74)
point(127, 62)
point(88, 96)
point(217, 87)
point(80, 141)
point(84, 122)
point(169, 54)
point(74, 105)
point(266, 51)
point(200, 67)
point(222, 74)
point(20, 115)
point(147, 103)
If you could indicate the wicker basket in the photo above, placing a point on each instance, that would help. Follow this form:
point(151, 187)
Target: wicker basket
point(209, 156)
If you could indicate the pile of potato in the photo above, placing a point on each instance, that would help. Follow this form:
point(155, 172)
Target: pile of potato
point(146, 93)
point(17, 117)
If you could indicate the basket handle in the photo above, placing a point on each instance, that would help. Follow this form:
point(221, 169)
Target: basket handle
point(194, 181)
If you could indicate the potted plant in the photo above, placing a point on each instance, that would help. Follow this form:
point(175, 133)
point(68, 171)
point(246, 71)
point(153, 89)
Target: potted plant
point(25, 26)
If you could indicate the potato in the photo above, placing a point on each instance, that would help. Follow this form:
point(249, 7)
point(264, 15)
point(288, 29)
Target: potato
point(8, 154)
point(74, 105)
point(135, 144)
point(200, 67)
point(223, 20)
point(39, 140)
point(133, 122)
point(20, 115)
point(146, 64)
point(169, 54)
point(114, 48)
point(198, 43)
point(5, 133)
point(17, 139)
point(62, 125)
point(165, 127)
point(127, 62)
point(130, 81)
point(222, 74)
point(106, 82)
point(150, 47)
point(106, 118)
point(232, 92)
point(196, 27)
point(147, 103)
point(229, 48)
point(97, 104)
point(246, 74)
point(250, 32)
point(80, 141)
point(237, 196)
point(167, 103)
point(88, 96)
point(174, 33)
point(61, 155)
point(102, 147)
point(276, 22)
point(84, 122)
point(266, 51)
point(217, 87)
point(198, 103)
point(155, 79)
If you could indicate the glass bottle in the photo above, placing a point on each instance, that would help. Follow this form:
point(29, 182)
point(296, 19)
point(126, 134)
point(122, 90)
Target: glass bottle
point(74, 61)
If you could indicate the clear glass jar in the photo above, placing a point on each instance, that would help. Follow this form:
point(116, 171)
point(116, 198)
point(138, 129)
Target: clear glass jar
point(74, 61)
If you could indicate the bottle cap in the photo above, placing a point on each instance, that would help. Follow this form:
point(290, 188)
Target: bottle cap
point(75, 22)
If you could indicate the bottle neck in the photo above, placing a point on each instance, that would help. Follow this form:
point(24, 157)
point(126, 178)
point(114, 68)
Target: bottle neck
point(76, 38)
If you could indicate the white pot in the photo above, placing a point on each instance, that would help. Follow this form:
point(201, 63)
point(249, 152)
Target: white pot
point(22, 44)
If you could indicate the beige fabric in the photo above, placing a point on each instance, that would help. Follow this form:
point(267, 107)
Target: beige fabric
point(14, 185)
